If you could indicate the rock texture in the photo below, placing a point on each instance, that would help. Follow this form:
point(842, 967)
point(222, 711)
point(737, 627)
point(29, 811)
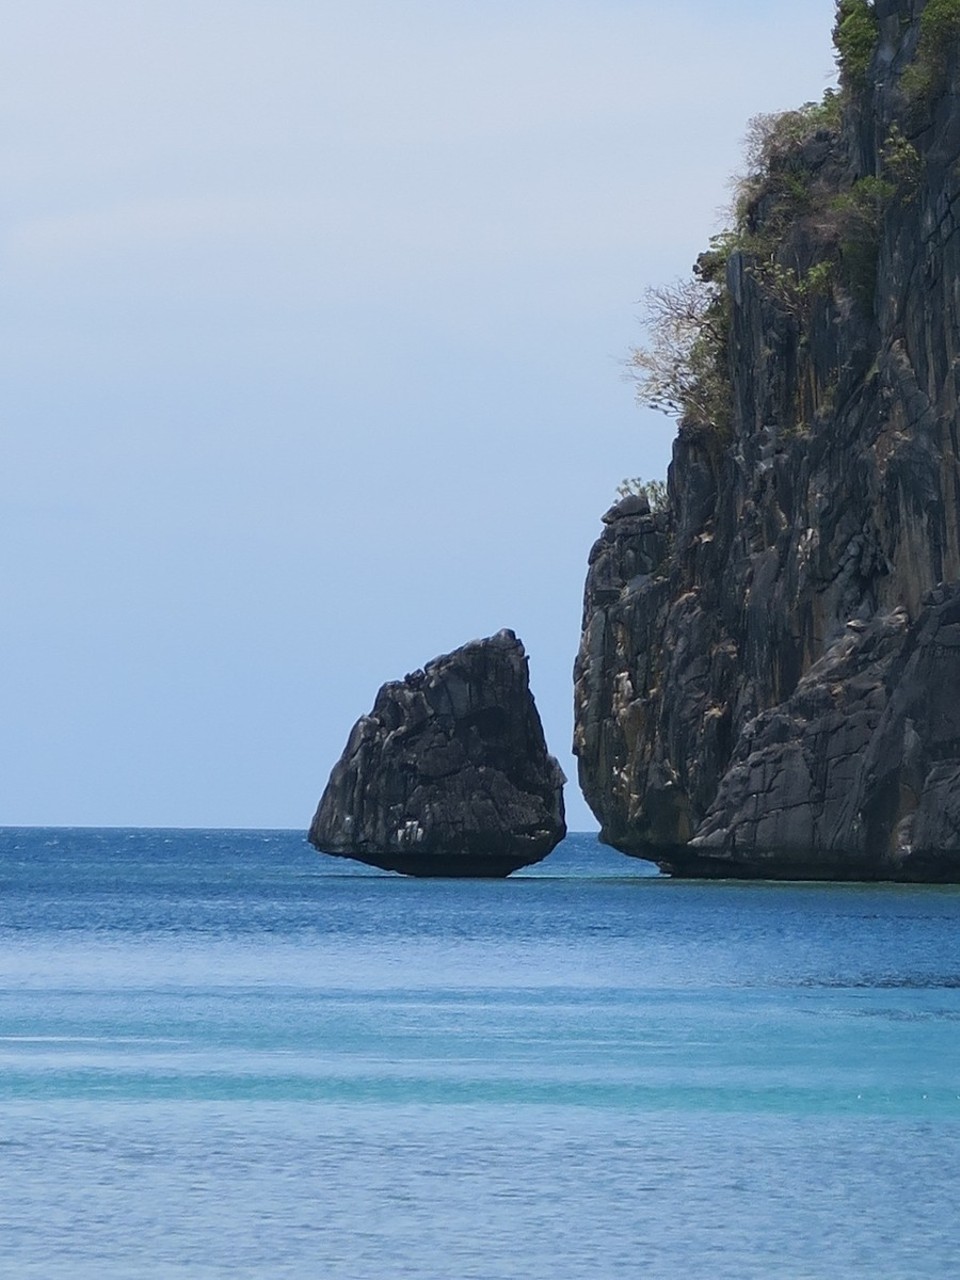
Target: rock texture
point(449, 774)
point(768, 682)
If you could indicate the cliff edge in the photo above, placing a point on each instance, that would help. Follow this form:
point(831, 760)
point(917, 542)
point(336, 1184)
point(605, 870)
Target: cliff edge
point(768, 682)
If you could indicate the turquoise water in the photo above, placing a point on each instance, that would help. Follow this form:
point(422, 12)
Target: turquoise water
point(223, 1055)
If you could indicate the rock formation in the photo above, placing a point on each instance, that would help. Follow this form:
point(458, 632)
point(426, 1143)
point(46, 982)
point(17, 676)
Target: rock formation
point(449, 774)
point(768, 682)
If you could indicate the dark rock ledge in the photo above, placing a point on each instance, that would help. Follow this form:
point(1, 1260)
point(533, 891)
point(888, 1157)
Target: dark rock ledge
point(449, 774)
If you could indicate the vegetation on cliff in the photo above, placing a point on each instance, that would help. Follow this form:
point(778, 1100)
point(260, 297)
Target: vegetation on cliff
point(939, 32)
point(805, 230)
point(854, 38)
point(683, 370)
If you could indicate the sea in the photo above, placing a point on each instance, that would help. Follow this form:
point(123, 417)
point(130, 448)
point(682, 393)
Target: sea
point(225, 1055)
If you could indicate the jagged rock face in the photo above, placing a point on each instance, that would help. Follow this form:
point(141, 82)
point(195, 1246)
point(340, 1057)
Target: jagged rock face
point(449, 774)
point(767, 675)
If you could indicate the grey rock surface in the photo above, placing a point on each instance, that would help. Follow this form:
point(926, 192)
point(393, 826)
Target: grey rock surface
point(768, 681)
point(449, 774)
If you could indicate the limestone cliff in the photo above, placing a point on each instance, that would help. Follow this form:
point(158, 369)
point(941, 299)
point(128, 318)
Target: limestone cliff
point(769, 675)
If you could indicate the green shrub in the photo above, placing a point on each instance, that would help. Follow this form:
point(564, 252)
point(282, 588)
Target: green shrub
point(939, 31)
point(855, 38)
point(858, 261)
point(791, 289)
point(901, 160)
point(869, 196)
point(940, 22)
point(859, 214)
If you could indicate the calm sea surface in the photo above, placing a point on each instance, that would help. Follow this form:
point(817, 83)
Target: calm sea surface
point(223, 1055)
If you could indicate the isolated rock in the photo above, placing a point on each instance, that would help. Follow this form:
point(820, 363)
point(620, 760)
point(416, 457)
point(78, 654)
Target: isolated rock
point(449, 774)
point(768, 681)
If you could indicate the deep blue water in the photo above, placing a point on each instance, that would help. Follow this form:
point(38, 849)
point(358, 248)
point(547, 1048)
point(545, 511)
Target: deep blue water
point(222, 1054)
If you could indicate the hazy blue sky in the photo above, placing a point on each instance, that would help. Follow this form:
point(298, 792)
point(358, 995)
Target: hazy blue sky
point(313, 315)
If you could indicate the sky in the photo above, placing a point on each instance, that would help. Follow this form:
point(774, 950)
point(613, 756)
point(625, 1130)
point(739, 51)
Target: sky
point(314, 317)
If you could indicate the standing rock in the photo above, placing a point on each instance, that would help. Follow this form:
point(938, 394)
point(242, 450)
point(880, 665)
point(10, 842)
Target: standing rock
point(449, 774)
